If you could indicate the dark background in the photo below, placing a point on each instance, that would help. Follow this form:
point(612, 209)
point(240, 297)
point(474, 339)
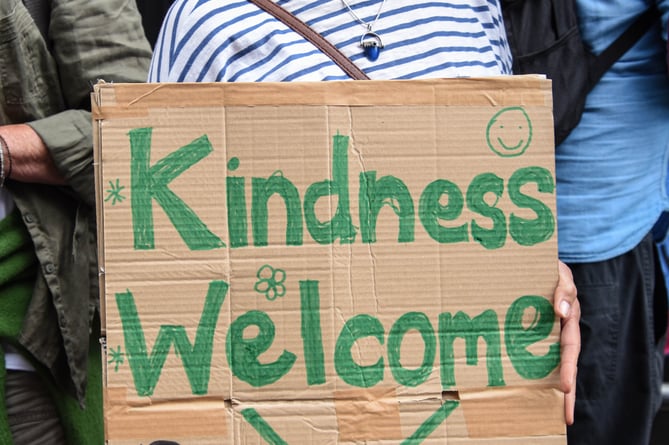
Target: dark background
point(153, 12)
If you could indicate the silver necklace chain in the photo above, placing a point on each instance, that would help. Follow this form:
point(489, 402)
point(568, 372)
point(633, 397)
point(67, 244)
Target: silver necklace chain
point(367, 25)
point(370, 42)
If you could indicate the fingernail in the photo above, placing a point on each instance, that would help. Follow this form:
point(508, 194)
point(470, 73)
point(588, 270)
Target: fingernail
point(565, 307)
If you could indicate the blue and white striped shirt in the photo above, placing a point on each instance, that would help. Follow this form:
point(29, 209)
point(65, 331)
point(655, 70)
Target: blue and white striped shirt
point(216, 40)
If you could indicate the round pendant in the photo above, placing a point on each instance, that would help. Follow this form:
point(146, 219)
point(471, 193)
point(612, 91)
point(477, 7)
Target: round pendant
point(371, 45)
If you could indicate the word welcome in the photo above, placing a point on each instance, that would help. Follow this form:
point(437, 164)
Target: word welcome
point(244, 350)
point(440, 220)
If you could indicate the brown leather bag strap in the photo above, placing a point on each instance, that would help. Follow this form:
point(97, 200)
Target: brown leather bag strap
point(312, 36)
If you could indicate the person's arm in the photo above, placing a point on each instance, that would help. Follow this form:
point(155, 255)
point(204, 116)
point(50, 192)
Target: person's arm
point(567, 306)
point(90, 40)
point(25, 158)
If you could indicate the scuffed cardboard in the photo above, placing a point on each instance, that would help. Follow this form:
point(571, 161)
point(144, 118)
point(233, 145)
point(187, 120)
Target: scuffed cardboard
point(342, 262)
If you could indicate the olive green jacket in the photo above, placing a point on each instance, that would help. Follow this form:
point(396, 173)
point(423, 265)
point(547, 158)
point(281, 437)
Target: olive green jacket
point(47, 85)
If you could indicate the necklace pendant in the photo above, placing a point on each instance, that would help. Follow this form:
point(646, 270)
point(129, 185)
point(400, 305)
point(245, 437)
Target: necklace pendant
point(371, 45)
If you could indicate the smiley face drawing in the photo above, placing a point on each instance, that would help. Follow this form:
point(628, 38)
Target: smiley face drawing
point(509, 132)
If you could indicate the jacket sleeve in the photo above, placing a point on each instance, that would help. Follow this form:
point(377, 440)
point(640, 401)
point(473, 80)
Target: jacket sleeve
point(90, 40)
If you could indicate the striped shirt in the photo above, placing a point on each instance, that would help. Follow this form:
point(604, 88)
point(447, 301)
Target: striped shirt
point(216, 40)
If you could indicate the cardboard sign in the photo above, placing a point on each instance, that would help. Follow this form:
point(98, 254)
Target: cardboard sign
point(329, 262)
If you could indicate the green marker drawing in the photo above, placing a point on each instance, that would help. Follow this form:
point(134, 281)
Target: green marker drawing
point(423, 432)
point(509, 132)
point(150, 182)
point(270, 282)
point(432, 423)
point(114, 192)
point(116, 357)
point(196, 356)
point(262, 427)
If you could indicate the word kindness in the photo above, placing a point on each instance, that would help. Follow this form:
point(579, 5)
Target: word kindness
point(439, 207)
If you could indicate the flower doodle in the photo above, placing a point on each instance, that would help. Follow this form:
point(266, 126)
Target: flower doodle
point(270, 282)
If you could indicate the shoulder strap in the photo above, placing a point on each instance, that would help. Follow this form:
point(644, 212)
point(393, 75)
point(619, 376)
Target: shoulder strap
point(312, 36)
point(40, 11)
point(623, 43)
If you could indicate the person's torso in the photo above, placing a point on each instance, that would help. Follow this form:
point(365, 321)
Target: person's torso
point(235, 41)
point(611, 169)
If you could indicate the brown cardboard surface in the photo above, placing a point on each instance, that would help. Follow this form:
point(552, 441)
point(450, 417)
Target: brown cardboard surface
point(201, 421)
point(481, 410)
point(368, 414)
point(341, 262)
